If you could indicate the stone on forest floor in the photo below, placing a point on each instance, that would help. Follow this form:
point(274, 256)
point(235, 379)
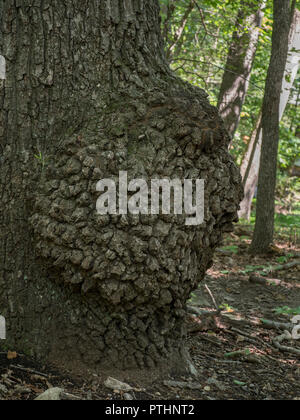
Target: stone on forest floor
point(116, 385)
point(56, 394)
point(3, 389)
point(52, 394)
point(183, 385)
point(128, 397)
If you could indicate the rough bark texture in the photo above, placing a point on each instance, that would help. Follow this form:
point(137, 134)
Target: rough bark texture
point(239, 64)
point(265, 209)
point(88, 93)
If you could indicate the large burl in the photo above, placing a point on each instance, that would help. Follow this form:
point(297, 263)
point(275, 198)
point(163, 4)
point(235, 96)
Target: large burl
point(127, 278)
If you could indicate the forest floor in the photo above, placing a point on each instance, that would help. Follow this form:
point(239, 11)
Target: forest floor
point(238, 356)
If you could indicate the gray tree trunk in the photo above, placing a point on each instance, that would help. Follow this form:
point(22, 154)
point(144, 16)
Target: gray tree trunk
point(239, 64)
point(250, 170)
point(88, 93)
point(251, 162)
point(265, 209)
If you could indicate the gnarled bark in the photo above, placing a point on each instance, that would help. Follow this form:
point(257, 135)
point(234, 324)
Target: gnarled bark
point(88, 93)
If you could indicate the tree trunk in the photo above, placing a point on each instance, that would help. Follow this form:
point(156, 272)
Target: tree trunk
point(250, 170)
point(251, 162)
point(239, 64)
point(292, 64)
point(88, 93)
point(265, 209)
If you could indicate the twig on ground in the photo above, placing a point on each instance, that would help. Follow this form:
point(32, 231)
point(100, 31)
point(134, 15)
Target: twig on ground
point(201, 312)
point(213, 299)
point(216, 343)
point(29, 370)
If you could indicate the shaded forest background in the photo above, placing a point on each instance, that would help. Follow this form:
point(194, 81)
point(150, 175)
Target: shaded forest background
point(199, 36)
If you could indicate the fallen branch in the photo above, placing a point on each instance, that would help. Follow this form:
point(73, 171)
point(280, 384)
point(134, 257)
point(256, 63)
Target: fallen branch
point(237, 353)
point(209, 340)
point(272, 269)
point(277, 325)
point(286, 336)
point(251, 339)
point(285, 266)
point(258, 280)
point(29, 370)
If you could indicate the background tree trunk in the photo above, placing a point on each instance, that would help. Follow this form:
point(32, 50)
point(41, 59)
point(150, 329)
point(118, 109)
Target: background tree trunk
point(251, 162)
point(239, 64)
point(250, 170)
point(265, 209)
point(88, 93)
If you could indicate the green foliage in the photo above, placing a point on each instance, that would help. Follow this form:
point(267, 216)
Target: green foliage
point(286, 310)
point(253, 268)
point(232, 248)
point(227, 308)
point(239, 383)
point(287, 216)
point(289, 145)
point(41, 159)
point(199, 56)
point(282, 260)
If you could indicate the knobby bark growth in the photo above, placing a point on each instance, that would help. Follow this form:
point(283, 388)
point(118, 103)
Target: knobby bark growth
point(242, 51)
point(88, 93)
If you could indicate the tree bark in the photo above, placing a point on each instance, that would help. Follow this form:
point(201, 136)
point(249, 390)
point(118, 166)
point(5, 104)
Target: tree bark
point(265, 209)
point(239, 64)
point(88, 93)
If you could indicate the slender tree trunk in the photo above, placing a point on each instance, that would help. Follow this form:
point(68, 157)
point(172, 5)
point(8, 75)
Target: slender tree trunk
point(88, 93)
point(250, 170)
point(251, 162)
point(239, 64)
point(292, 64)
point(265, 210)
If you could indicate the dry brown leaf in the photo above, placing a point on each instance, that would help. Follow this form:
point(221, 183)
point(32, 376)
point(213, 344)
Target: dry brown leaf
point(11, 355)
